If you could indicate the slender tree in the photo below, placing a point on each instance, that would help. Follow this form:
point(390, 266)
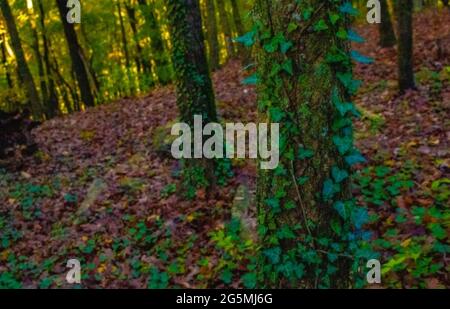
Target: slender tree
point(5, 61)
point(159, 55)
point(52, 103)
point(211, 31)
point(240, 30)
point(387, 35)
point(195, 94)
point(124, 36)
point(142, 62)
point(405, 44)
point(225, 24)
point(76, 54)
point(24, 71)
point(305, 83)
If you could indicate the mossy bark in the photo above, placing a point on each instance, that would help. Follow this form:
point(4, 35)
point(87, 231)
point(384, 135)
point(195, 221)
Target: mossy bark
point(404, 11)
point(195, 95)
point(387, 35)
point(304, 94)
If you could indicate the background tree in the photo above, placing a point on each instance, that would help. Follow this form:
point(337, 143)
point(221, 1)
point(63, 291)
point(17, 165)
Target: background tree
point(405, 44)
point(76, 55)
point(195, 95)
point(225, 24)
point(387, 35)
point(212, 34)
point(24, 71)
point(159, 55)
point(52, 99)
point(240, 29)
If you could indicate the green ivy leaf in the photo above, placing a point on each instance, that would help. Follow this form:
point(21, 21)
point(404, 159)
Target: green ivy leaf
point(274, 204)
point(359, 217)
point(287, 66)
point(437, 231)
point(347, 8)
point(333, 17)
point(343, 144)
point(251, 80)
point(285, 46)
point(276, 114)
point(328, 189)
point(249, 280)
point(361, 58)
point(273, 254)
point(321, 25)
point(292, 27)
point(338, 174)
point(354, 36)
point(304, 153)
point(247, 39)
point(355, 158)
point(227, 276)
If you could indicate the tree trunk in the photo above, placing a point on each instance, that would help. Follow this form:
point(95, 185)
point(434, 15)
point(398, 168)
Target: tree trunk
point(223, 17)
point(5, 62)
point(387, 35)
point(211, 31)
point(302, 87)
point(52, 104)
point(76, 55)
point(195, 95)
point(239, 28)
point(124, 36)
point(142, 63)
point(24, 71)
point(405, 44)
point(163, 68)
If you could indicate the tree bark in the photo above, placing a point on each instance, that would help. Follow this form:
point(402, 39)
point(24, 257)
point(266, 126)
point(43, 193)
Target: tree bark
point(239, 29)
point(223, 18)
point(387, 35)
point(24, 71)
point(296, 88)
point(142, 63)
point(211, 31)
point(52, 103)
point(76, 55)
point(405, 44)
point(5, 62)
point(195, 95)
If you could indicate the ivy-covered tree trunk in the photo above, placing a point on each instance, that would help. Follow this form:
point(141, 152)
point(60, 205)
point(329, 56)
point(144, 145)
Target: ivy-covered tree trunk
point(387, 35)
point(76, 55)
point(305, 84)
point(195, 95)
point(211, 31)
point(404, 11)
point(224, 22)
point(24, 71)
point(163, 67)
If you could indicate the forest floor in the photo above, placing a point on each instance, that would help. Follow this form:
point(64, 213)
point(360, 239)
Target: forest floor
point(103, 189)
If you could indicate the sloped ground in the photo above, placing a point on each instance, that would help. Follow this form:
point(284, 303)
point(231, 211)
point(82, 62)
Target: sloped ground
point(101, 191)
